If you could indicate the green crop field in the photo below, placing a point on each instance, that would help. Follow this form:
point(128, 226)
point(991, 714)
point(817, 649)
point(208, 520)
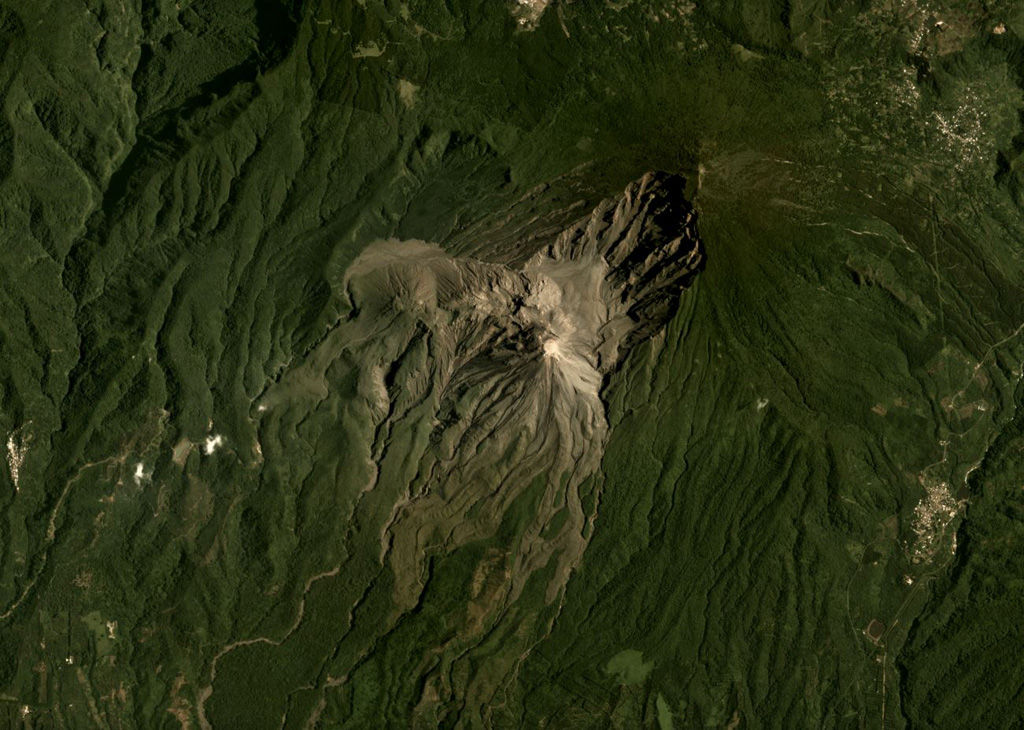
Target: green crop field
point(512, 364)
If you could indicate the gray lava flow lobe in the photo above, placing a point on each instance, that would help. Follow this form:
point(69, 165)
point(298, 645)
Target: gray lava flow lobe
point(481, 380)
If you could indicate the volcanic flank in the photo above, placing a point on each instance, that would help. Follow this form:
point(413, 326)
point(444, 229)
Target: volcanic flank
point(482, 380)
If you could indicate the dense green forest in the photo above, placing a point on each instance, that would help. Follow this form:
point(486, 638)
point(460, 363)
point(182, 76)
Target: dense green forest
point(511, 364)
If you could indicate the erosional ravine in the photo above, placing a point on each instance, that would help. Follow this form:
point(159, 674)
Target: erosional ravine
point(485, 379)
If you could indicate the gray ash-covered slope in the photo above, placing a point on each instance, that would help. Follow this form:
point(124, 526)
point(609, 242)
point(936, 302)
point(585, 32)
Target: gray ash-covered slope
point(481, 378)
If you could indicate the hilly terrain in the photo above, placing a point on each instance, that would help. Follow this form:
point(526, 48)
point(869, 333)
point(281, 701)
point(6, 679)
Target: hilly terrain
point(511, 364)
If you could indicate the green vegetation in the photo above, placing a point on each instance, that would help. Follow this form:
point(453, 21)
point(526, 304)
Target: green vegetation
point(249, 483)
